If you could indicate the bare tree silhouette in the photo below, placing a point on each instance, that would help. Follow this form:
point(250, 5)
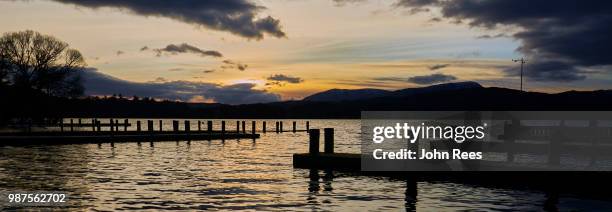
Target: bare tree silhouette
point(33, 61)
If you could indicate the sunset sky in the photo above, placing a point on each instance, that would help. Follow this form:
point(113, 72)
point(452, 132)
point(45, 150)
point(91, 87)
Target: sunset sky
point(287, 49)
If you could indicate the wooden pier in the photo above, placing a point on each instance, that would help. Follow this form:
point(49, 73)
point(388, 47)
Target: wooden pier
point(115, 130)
point(552, 141)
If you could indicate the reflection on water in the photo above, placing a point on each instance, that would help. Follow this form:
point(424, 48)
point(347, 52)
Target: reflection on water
point(240, 175)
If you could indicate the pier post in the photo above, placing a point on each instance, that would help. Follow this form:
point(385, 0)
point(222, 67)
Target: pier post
point(307, 126)
point(161, 126)
point(138, 125)
point(277, 127)
point(209, 125)
point(263, 127)
point(253, 127)
point(110, 125)
point(61, 124)
point(117, 125)
point(125, 124)
point(199, 125)
point(294, 127)
point(281, 126)
point(222, 127)
point(175, 125)
point(150, 125)
point(237, 126)
point(595, 142)
point(187, 126)
point(93, 125)
point(510, 131)
point(313, 147)
point(243, 127)
point(99, 125)
point(71, 125)
point(328, 140)
point(554, 145)
point(80, 123)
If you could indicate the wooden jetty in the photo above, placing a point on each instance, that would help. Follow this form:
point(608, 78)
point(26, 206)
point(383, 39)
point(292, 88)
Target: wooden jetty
point(595, 184)
point(552, 141)
point(114, 130)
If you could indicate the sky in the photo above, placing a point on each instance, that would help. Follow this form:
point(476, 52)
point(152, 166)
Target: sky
point(243, 51)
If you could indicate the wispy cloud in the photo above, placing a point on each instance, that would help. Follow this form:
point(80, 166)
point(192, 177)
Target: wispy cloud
point(235, 64)
point(186, 48)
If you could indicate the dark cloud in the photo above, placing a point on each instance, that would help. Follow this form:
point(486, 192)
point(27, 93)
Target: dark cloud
point(569, 34)
point(234, 64)
point(97, 83)
point(186, 48)
point(548, 71)
point(431, 79)
point(438, 66)
point(285, 78)
point(239, 17)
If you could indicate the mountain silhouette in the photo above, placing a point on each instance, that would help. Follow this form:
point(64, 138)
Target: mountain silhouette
point(337, 95)
point(462, 96)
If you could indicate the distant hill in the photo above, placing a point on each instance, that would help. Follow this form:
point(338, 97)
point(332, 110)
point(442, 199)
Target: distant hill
point(331, 104)
point(438, 88)
point(335, 95)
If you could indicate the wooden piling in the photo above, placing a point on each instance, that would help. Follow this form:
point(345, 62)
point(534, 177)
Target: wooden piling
point(150, 125)
point(99, 125)
point(161, 126)
point(209, 126)
point(511, 131)
point(554, 145)
point(307, 126)
point(110, 125)
point(117, 125)
point(125, 124)
point(294, 130)
point(281, 126)
point(263, 127)
point(71, 126)
point(61, 124)
point(187, 126)
point(222, 127)
point(80, 123)
point(237, 126)
point(277, 127)
point(313, 145)
point(175, 125)
point(253, 127)
point(243, 127)
point(199, 125)
point(138, 125)
point(328, 140)
point(93, 125)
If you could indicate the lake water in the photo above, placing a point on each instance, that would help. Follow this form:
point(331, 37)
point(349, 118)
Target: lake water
point(239, 175)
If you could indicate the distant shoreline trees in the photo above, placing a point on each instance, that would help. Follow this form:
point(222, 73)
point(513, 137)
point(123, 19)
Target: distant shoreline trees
point(33, 62)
